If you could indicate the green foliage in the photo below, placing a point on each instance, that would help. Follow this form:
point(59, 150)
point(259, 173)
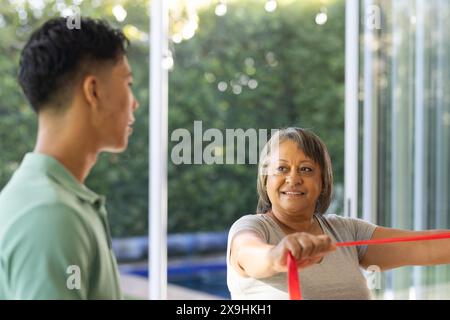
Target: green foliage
point(299, 68)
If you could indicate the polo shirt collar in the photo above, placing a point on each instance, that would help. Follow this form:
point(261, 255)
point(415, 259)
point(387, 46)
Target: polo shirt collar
point(52, 167)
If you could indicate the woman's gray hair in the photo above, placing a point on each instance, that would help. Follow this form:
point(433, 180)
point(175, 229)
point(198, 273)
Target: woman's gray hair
point(313, 148)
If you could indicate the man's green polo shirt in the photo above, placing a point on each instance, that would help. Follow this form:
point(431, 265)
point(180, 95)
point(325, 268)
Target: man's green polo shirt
point(55, 241)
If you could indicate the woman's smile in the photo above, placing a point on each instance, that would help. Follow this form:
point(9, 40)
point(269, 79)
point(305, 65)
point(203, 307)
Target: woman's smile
point(293, 194)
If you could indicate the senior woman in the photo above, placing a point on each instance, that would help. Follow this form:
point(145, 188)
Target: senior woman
point(295, 186)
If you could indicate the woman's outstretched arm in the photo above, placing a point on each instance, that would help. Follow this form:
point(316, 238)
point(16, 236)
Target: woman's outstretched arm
point(418, 253)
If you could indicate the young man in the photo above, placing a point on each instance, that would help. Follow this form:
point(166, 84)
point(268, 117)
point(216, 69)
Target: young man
point(54, 234)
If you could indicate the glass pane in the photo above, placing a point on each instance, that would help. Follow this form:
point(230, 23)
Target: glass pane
point(247, 66)
point(409, 53)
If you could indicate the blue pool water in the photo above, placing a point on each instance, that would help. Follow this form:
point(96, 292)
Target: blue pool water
point(206, 277)
point(211, 282)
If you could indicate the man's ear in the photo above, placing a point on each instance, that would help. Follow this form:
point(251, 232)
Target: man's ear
point(90, 91)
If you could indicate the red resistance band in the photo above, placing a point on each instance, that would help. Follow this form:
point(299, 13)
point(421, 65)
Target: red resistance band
point(295, 291)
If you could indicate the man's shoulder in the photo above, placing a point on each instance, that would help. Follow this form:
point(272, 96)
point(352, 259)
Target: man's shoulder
point(24, 180)
point(38, 200)
point(24, 192)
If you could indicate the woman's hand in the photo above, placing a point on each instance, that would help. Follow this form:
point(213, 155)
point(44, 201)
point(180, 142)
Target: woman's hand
point(306, 248)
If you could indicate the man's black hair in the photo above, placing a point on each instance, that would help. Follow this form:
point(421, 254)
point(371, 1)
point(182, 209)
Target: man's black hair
point(55, 55)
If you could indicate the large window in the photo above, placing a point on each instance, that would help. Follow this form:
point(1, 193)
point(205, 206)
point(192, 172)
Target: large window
point(252, 66)
point(405, 74)
point(234, 65)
